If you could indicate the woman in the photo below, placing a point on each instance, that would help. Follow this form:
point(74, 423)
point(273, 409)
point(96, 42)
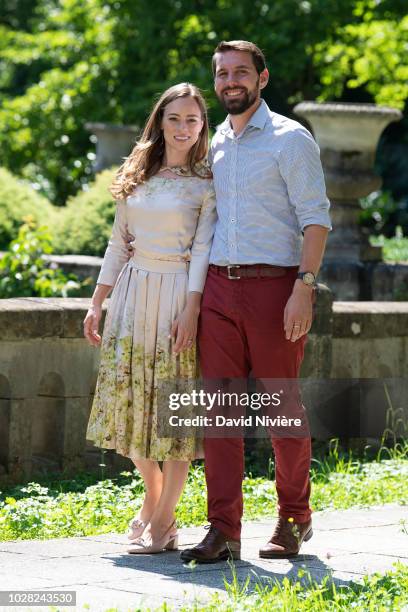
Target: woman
point(165, 200)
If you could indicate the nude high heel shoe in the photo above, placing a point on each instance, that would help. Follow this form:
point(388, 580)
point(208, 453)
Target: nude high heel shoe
point(168, 541)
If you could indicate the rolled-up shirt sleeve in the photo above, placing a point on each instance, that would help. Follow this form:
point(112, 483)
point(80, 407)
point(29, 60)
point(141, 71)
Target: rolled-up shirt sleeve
point(116, 254)
point(201, 246)
point(301, 169)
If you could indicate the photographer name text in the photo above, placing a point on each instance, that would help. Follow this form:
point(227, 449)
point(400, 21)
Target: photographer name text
point(222, 421)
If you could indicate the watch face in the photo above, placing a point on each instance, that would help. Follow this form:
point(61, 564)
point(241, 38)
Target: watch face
point(308, 278)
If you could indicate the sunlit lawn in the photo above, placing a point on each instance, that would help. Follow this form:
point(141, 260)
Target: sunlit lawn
point(85, 506)
point(376, 593)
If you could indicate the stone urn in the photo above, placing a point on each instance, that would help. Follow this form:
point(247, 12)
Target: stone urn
point(348, 135)
point(113, 143)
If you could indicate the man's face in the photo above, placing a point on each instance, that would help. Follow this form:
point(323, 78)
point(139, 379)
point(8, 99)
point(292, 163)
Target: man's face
point(237, 82)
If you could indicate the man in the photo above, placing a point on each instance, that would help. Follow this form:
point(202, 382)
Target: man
point(257, 303)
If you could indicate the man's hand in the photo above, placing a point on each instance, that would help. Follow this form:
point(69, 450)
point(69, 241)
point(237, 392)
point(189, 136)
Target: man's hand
point(297, 317)
point(130, 248)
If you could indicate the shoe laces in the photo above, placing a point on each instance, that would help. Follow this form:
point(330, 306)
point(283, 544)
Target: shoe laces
point(284, 531)
point(279, 526)
point(210, 528)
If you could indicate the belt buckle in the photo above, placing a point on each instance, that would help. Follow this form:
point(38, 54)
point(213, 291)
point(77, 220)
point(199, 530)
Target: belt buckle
point(229, 272)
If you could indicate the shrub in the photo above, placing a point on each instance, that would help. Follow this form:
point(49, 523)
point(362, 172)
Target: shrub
point(85, 224)
point(18, 200)
point(381, 214)
point(24, 271)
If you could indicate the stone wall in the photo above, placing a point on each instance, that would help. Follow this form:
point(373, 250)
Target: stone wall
point(370, 340)
point(48, 373)
point(47, 376)
point(369, 344)
point(376, 281)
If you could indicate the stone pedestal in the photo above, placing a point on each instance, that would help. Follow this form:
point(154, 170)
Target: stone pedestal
point(113, 143)
point(347, 135)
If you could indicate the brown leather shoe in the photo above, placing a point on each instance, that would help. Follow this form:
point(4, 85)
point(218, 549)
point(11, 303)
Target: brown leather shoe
point(286, 539)
point(215, 547)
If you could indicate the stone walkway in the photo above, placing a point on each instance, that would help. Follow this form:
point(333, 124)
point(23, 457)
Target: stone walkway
point(346, 545)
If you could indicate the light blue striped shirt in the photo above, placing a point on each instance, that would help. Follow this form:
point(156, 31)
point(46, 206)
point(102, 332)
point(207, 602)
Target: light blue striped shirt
point(269, 186)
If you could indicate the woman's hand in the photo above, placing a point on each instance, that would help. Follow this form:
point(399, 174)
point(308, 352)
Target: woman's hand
point(184, 328)
point(91, 325)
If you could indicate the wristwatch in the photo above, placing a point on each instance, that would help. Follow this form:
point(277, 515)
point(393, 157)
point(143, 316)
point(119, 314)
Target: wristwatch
point(308, 278)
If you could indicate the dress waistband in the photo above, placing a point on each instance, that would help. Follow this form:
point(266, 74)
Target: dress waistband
point(158, 265)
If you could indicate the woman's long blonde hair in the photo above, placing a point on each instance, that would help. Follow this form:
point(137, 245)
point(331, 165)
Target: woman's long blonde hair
point(147, 155)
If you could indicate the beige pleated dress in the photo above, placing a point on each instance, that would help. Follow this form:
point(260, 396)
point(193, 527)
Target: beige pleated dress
point(173, 222)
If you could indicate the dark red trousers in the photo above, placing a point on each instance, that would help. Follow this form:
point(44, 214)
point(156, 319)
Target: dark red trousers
point(241, 333)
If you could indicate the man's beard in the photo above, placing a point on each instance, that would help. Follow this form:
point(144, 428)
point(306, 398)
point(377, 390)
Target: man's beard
point(235, 106)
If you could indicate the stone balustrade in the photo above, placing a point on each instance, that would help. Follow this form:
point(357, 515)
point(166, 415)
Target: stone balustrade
point(48, 373)
point(379, 281)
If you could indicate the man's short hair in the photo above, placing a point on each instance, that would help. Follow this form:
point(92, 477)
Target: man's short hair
point(241, 45)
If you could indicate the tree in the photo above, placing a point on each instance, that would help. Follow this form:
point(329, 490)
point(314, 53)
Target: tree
point(369, 54)
point(74, 61)
point(42, 134)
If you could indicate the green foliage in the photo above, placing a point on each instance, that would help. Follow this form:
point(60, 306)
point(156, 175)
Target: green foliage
point(69, 65)
point(85, 224)
point(82, 508)
point(17, 13)
point(18, 200)
point(375, 593)
point(369, 54)
point(387, 221)
point(376, 210)
point(64, 508)
point(394, 249)
point(104, 60)
point(24, 271)
point(382, 214)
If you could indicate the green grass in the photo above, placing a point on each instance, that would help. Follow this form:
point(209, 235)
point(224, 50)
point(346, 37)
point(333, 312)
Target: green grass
point(375, 593)
point(83, 506)
point(394, 249)
point(80, 507)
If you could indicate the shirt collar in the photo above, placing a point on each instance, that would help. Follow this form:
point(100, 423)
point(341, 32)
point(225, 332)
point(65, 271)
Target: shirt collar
point(260, 116)
point(258, 119)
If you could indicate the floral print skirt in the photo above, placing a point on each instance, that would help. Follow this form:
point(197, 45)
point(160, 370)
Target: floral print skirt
point(136, 358)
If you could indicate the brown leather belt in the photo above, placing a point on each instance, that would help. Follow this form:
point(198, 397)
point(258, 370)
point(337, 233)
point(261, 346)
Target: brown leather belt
point(235, 272)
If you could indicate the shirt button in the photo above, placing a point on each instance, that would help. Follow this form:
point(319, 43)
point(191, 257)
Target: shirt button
point(233, 220)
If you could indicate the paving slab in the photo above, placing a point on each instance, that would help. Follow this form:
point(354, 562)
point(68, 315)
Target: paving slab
point(346, 545)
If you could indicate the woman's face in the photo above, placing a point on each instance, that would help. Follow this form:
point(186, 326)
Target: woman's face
point(182, 124)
